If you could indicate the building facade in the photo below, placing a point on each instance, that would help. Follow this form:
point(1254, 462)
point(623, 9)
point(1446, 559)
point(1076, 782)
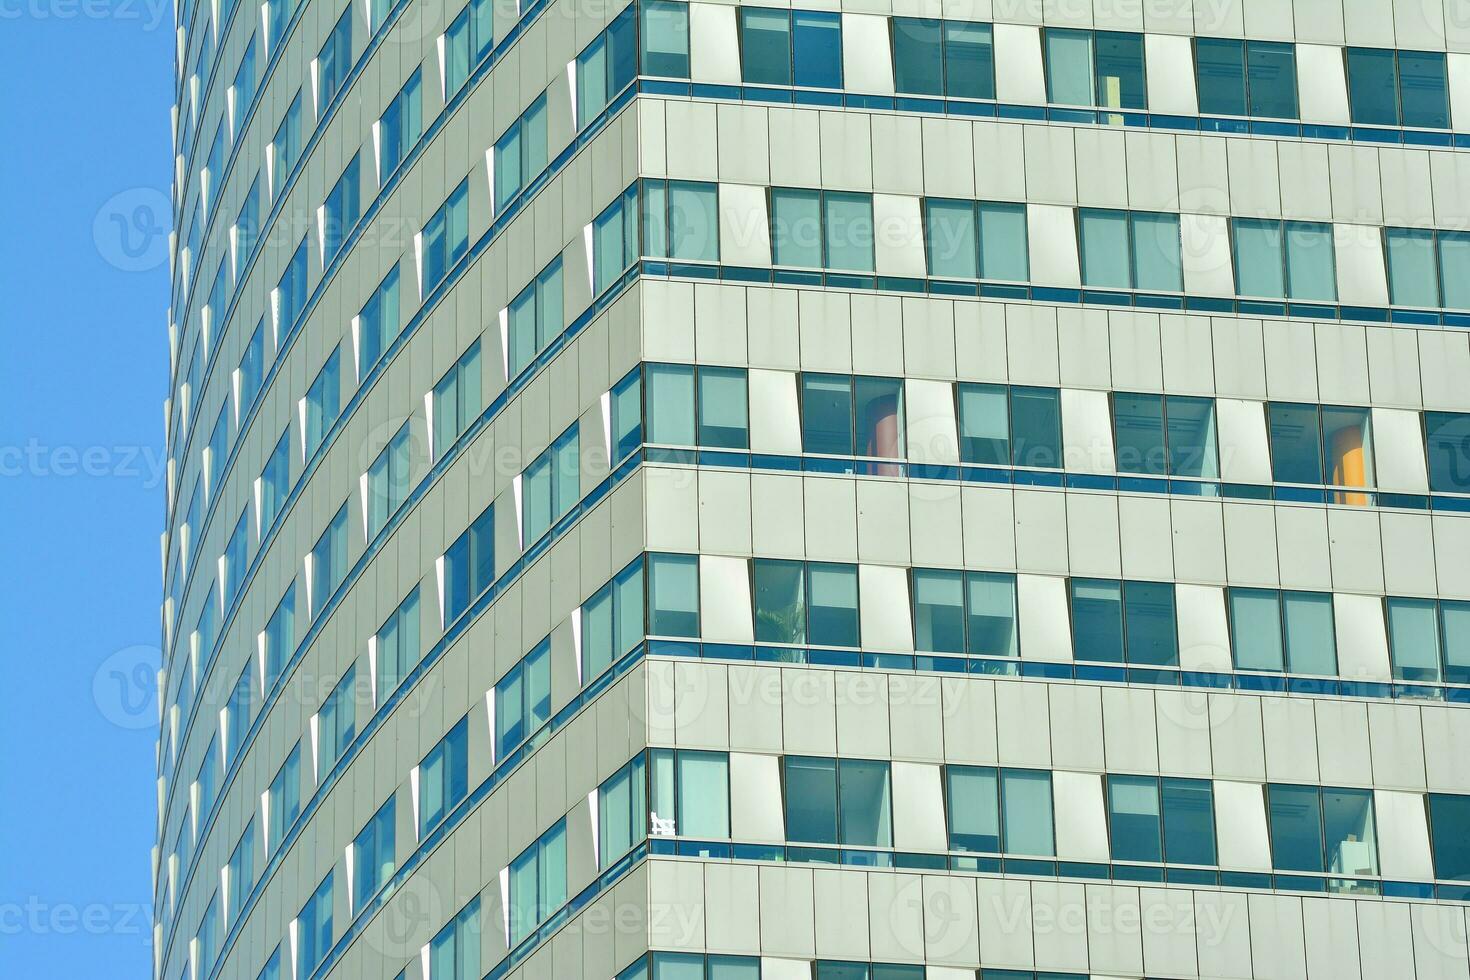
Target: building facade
point(837, 491)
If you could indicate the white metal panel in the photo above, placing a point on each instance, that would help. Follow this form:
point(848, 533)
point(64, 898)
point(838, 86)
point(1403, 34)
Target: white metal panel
point(898, 236)
point(1087, 431)
point(1204, 633)
point(755, 798)
point(1019, 76)
point(1046, 632)
point(1362, 642)
point(1398, 450)
point(867, 65)
point(1245, 455)
point(1361, 277)
point(1459, 72)
point(1403, 835)
point(775, 420)
point(724, 599)
point(918, 807)
point(745, 232)
point(929, 415)
point(1322, 84)
point(714, 48)
point(1082, 828)
point(1051, 238)
point(1169, 63)
point(1240, 821)
point(883, 601)
point(1205, 254)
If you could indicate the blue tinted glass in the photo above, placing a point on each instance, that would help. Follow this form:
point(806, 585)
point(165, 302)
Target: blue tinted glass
point(1220, 73)
point(1036, 427)
point(1412, 277)
point(1097, 620)
point(1104, 242)
point(832, 598)
point(1424, 89)
point(1296, 443)
point(1259, 260)
point(1271, 68)
point(969, 61)
point(817, 49)
point(1448, 439)
point(939, 611)
point(1372, 91)
point(1138, 422)
point(953, 239)
point(1133, 818)
point(1069, 67)
point(811, 800)
point(1448, 818)
point(1255, 629)
point(1189, 821)
point(765, 50)
point(974, 809)
point(1296, 827)
point(1003, 242)
point(1311, 272)
point(1149, 608)
point(1157, 261)
point(1120, 83)
point(918, 62)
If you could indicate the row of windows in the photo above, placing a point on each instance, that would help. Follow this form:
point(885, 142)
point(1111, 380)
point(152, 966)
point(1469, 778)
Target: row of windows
point(797, 603)
point(1150, 820)
point(1017, 425)
point(698, 966)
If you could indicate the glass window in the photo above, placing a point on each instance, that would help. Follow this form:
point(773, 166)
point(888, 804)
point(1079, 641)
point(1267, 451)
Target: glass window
point(826, 414)
point(878, 409)
point(694, 224)
point(538, 882)
point(1255, 629)
point(1311, 645)
point(665, 36)
point(240, 876)
point(1372, 86)
point(1189, 821)
point(765, 46)
point(817, 49)
point(1135, 822)
point(1157, 262)
point(372, 856)
point(991, 614)
point(1448, 443)
point(388, 481)
point(622, 812)
point(1311, 272)
point(1036, 427)
point(703, 794)
point(1448, 818)
point(443, 778)
point(1150, 630)
point(523, 700)
point(615, 240)
point(378, 323)
point(974, 809)
point(285, 148)
point(1350, 835)
point(673, 592)
point(333, 62)
point(1455, 640)
point(1271, 76)
point(243, 90)
point(848, 233)
point(401, 126)
point(1413, 639)
point(1138, 433)
point(454, 954)
point(397, 647)
point(337, 722)
point(864, 808)
point(290, 295)
point(1026, 809)
point(1120, 82)
point(969, 60)
point(284, 796)
point(469, 564)
point(1347, 442)
point(1296, 448)
point(832, 801)
point(1069, 75)
point(445, 237)
point(671, 415)
point(984, 424)
point(280, 637)
point(1097, 620)
point(952, 239)
point(918, 58)
point(939, 611)
point(323, 405)
point(832, 599)
point(1454, 268)
point(780, 601)
point(1003, 249)
point(1424, 89)
point(314, 929)
point(796, 227)
point(340, 211)
point(1259, 261)
point(1413, 279)
point(723, 413)
point(457, 400)
point(627, 415)
point(1104, 240)
point(328, 562)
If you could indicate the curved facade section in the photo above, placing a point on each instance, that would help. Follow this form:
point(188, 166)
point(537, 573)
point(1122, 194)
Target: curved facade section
point(687, 490)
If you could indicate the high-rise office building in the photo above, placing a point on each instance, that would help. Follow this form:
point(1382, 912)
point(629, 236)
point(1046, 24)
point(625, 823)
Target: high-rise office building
point(704, 491)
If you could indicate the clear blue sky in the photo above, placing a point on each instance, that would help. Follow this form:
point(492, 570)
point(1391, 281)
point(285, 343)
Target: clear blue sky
point(84, 109)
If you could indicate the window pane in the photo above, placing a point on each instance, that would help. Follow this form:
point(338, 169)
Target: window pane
point(1371, 89)
point(1220, 71)
point(1003, 242)
point(917, 56)
point(704, 794)
point(1455, 638)
point(984, 425)
point(796, 228)
point(1258, 258)
point(1454, 269)
point(833, 600)
point(826, 414)
point(671, 404)
point(765, 38)
point(953, 239)
point(974, 814)
point(1069, 67)
point(1133, 818)
point(1097, 620)
point(665, 36)
point(1448, 438)
point(1348, 441)
point(1138, 422)
point(1189, 821)
point(1255, 629)
point(878, 408)
point(1296, 828)
point(1412, 278)
point(969, 61)
point(992, 613)
point(849, 231)
point(1191, 425)
point(1156, 252)
point(1347, 820)
point(678, 966)
point(1036, 427)
point(811, 800)
point(1104, 239)
point(1296, 449)
point(1424, 89)
point(817, 46)
point(1026, 803)
point(864, 806)
point(1311, 647)
point(1120, 70)
point(1448, 818)
point(673, 595)
point(1310, 268)
point(723, 417)
point(939, 611)
point(1413, 639)
point(1151, 634)
point(694, 225)
point(1272, 71)
point(780, 601)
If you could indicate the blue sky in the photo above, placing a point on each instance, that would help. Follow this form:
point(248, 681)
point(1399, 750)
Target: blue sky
point(84, 106)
